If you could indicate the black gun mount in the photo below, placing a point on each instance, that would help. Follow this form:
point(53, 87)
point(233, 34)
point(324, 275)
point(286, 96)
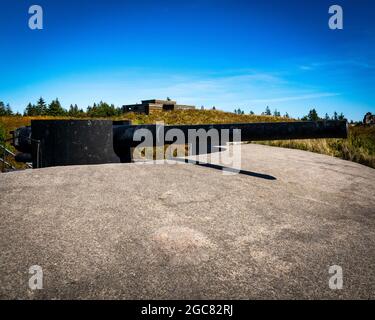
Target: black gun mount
point(48, 143)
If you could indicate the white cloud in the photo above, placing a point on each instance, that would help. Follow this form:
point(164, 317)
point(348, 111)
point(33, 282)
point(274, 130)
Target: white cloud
point(296, 98)
point(336, 63)
point(226, 90)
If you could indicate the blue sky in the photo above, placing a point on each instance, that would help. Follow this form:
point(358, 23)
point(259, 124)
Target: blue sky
point(228, 54)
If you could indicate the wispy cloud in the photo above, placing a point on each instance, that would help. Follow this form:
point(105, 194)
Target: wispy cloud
point(227, 90)
point(296, 98)
point(306, 68)
point(336, 63)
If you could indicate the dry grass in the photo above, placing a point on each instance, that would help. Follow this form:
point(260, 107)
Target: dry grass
point(198, 117)
point(359, 147)
point(172, 117)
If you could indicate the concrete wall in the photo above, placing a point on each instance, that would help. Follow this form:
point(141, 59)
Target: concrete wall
point(149, 106)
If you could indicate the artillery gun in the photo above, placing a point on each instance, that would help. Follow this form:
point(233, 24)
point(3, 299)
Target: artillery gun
point(48, 143)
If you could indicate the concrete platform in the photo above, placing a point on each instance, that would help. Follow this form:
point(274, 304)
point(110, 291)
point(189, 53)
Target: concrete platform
point(132, 231)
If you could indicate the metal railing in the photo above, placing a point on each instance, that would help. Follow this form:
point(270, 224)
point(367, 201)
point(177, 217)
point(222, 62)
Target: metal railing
point(6, 152)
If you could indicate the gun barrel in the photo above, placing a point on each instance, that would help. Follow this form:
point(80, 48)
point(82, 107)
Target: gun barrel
point(124, 135)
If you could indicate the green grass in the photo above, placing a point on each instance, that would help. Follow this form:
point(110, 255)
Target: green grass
point(359, 147)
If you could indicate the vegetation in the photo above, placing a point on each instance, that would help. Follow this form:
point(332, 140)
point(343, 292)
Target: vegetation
point(3, 136)
point(239, 111)
point(313, 116)
point(359, 147)
point(5, 110)
point(55, 109)
point(268, 111)
point(103, 110)
point(2, 133)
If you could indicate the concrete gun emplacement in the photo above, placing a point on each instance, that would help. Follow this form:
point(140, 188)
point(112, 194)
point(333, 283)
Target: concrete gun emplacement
point(48, 143)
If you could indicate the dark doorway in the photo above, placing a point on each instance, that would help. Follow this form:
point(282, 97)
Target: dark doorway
point(168, 107)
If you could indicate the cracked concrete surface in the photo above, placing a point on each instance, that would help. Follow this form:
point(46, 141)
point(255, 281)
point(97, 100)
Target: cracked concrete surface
point(180, 231)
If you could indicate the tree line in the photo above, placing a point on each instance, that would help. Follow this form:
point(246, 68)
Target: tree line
point(103, 109)
point(5, 110)
point(41, 108)
point(311, 116)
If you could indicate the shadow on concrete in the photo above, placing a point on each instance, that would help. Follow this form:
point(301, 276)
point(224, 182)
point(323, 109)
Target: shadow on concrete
point(227, 169)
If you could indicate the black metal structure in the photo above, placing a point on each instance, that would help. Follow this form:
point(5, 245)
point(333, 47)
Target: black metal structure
point(76, 142)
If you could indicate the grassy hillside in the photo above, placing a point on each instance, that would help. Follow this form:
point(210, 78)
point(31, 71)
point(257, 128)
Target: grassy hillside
point(360, 147)
point(172, 117)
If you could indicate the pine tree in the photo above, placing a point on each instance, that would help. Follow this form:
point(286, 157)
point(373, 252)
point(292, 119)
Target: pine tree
point(2, 109)
point(80, 111)
point(335, 116)
point(239, 111)
point(8, 110)
point(41, 107)
point(73, 111)
point(31, 110)
point(313, 115)
point(102, 109)
point(55, 109)
point(268, 111)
